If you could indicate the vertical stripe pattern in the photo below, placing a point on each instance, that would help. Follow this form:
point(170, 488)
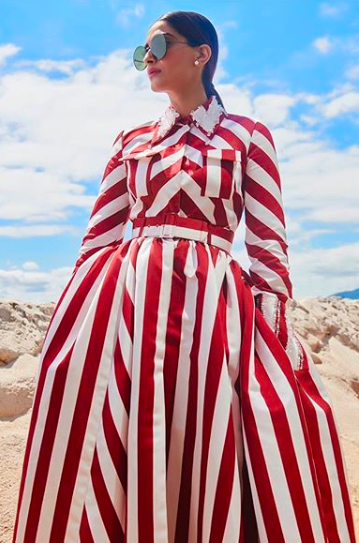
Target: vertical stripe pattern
point(174, 403)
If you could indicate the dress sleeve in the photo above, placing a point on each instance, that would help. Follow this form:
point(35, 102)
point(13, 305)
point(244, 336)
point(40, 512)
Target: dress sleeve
point(266, 240)
point(110, 213)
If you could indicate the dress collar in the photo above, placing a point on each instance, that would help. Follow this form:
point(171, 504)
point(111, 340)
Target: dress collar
point(207, 116)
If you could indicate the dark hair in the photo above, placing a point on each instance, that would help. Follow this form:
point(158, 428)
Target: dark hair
point(198, 30)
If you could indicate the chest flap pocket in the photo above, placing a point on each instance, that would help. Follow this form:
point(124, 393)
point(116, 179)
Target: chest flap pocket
point(222, 172)
point(139, 170)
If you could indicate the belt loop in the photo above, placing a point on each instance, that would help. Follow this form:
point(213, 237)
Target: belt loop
point(167, 222)
point(206, 227)
point(142, 225)
point(209, 233)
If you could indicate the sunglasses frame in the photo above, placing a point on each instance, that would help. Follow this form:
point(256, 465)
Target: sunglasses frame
point(141, 50)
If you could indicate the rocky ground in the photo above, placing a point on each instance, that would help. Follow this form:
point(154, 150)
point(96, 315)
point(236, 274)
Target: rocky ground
point(329, 327)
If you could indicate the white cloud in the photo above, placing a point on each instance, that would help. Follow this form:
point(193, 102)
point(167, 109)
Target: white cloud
point(348, 102)
point(309, 120)
point(308, 98)
point(313, 271)
point(324, 271)
point(338, 102)
point(56, 135)
point(32, 285)
point(228, 24)
point(273, 108)
point(67, 67)
point(37, 230)
point(27, 195)
point(332, 9)
point(323, 44)
point(30, 265)
point(125, 16)
point(319, 181)
point(8, 50)
point(352, 72)
point(348, 45)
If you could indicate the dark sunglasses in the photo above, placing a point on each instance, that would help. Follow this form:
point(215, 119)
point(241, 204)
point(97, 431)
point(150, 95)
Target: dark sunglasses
point(158, 46)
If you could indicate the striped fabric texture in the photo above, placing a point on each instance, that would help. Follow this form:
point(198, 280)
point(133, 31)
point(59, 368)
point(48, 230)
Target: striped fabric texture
point(174, 402)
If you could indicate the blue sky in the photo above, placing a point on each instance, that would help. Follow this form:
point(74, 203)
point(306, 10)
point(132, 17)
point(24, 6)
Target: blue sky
point(68, 86)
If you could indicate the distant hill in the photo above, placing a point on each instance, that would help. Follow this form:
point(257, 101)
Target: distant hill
point(352, 294)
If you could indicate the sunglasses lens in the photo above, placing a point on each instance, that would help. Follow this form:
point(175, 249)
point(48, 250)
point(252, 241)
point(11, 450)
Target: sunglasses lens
point(138, 56)
point(158, 46)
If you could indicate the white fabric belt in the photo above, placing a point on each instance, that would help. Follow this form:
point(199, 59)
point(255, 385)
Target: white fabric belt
point(173, 226)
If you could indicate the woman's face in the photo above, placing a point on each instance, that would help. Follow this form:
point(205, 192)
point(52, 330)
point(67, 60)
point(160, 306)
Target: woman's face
point(177, 69)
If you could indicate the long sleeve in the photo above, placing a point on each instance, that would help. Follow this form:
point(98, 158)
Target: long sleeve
point(110, 212)
point(266, 240)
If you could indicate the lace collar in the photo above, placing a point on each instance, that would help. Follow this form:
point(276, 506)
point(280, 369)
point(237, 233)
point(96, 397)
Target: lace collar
point(206, 117)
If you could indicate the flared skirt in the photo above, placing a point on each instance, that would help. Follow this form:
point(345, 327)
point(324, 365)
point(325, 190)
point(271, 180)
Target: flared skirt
point(167, 411)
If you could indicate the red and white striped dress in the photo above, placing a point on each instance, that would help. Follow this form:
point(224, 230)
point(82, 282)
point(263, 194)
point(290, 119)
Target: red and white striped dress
point(174, 401)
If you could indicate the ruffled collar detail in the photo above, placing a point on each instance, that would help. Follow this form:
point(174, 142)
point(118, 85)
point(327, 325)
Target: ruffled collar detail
point(206, 117)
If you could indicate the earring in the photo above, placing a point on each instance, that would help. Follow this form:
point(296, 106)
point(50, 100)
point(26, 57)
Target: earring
point(196, 62)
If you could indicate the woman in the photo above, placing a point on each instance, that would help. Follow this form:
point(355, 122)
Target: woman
point(174, 401)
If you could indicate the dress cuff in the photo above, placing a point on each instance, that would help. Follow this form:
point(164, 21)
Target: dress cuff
point(275, 314)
